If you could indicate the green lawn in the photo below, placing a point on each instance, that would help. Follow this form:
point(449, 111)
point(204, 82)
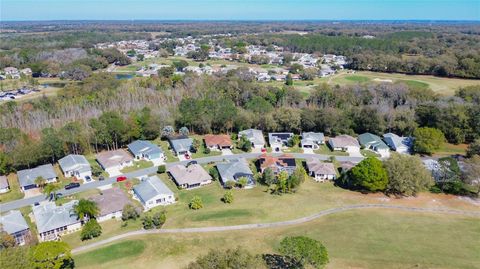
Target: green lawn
point(324, 149)
point(201, 150)
point(295, 149)
point(356, 239)
point(15, 192)
point(166, 149)
point(450, 149)
point(369, 153)
point(137, 165)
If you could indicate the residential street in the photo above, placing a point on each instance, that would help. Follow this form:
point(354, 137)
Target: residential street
point(84, 187)
point(275, 224)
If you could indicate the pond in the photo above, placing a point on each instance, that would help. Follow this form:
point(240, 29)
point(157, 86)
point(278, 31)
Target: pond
point(54, 84)
point(124, 76)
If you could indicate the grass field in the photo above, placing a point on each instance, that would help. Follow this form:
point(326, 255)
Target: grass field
point(355, 239)
point(137, 165)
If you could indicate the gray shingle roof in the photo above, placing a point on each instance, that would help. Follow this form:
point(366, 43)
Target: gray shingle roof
point(144, 147)
point(311, 137)
point(3, 182)
point(254, 136)
point(151, 187)
point(233, 169)
point(49, 216)
point(343, 141)
point(13, 222)
point(113, 158)
point(110, 201)
point(27, 177)
point(395, 141)
point(74, 162)
point(181, 145)
point(191, 175)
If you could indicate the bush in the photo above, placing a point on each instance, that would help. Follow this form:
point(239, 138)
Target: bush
point(91, 230)
point(129, 212)
point(230, 184)
point(214, 173)
point(242, 182)
point(207, 150)
point(228, 197)
point(162, 169)
point(147, 222)
point(196, 203)
point(159, 219)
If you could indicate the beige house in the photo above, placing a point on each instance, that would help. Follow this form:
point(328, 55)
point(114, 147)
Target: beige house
point(115, 160)
point(188, 177)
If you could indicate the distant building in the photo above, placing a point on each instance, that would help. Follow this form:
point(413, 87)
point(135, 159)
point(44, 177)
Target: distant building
point(27, 177)
point(374, 143)
point(344, 143)
point(15, 225)
point(398, 143)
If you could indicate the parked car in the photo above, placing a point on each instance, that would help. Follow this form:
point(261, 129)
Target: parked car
point(72, 185)
point(36, 204)
point(101, 178)
point(88, 179)
point(187, 156)
point(121, 178)
point(264, 150)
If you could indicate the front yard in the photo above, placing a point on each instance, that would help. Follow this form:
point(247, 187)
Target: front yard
point(137, 165)
point(325, 150)
point(15, 193)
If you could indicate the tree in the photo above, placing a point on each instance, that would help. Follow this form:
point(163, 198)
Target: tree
point(196, 203)
point(244, 144)
point(196, 144)
point(180, 64)
point(52, 189)
point(40, 182)
point(474, 148)
point(86, 208)
point(184, 131)
point(161, 169)
point(52, 255)
point(129, 212)
point(228, 197)
point(296, 178)
point(407, 175)
point(471, 172)
point(91, 230)
point(294, 141)
point(168, 131)
point(147, 222)
point(214, 173)
point(268, 178)
point(230, 184)
point(281, 186)
point(369, 175)
point(289, 80)
point(305, 250)
point(159, 218)
point(226, 259)
point(427, 140)
point(16, 258)
point(6, 240)
point(242, 182)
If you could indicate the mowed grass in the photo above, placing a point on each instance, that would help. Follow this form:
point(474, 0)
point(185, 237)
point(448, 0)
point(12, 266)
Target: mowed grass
point(366, 238)
point(443, 86)
point(14, 193)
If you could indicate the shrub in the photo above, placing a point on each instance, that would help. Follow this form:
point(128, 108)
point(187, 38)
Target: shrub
point(129, 212)
point(214, 173)
point(162, 169)
point(196, 203)
point(228, 197)
point(159, 219)
point(91, 230)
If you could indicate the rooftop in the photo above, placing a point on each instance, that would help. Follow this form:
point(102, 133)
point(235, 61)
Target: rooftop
point(343, 141)
point(27, 177)
point(220, 140)
point(318, 167)
point(13, 222)
point(50, 216)
point(139, 147)
point(191, 175)
point(113, 158)
point(110, 201)
point(75, 163)
point(150, 188)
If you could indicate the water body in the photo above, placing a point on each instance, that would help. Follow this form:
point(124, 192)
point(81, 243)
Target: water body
point(124, 76)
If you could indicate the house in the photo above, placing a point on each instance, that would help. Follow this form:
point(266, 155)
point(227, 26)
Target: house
point(4, 186)
point(254, 136)
point(15, 225)
point(344, 143)
point(54, 221)
point(321, 171)
point(311, 140)
point(11, 71)
point(181, 145)
point(153, 192)
point(399, 144)
point(110, 202)
point(191, 176)
point(278, 140)
point(27, 177)
point(278, 164)
point(76, 166)
point(145, 150)
point(374, 143)
point(218, 142)
point(26, 71)
point(114, 161)
point(235, 169)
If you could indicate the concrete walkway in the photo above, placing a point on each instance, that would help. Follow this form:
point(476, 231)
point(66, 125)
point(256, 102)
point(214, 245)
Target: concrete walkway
point(275, 224)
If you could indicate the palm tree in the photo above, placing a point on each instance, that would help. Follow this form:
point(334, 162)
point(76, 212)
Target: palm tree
point(86, 208)
point(40, 181)
point(52, 188)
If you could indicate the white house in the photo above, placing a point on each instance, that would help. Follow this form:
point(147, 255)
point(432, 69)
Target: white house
point(145, 150)
point(344, 143)
point(4, 186)
point(254, 136)
point(311, 140)
point(76, 166)
point(54, 221)
point(152, 192)
point(114, 161)
point(399, 144)
point(321, 171)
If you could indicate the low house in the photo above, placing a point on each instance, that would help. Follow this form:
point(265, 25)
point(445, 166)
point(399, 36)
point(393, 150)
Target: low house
point(254, 136)
point(344, 143)
point(399, 144)
point(278, 164)
point(191, 176)
point(15, 225)
point(153, 192)
point(145, 150)
point(54, 221)
point(278, 141)
point(218, 142)
point(76, 166)
point(181, 145)
point(114, 161)
point(110, 202)
point(4, 186)
point(11, 71)
point(374, 143)
point(311, 140)
point(235, 169)
point(27, 177)
point(321, 171)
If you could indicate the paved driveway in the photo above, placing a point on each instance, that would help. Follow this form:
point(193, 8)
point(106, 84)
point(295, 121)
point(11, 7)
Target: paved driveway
point(226, 152)
point(32, 192)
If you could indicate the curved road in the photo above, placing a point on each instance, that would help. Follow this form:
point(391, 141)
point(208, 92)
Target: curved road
point(151, 170)
point(275, 224)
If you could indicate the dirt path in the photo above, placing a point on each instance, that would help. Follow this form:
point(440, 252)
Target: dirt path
point(275, 224)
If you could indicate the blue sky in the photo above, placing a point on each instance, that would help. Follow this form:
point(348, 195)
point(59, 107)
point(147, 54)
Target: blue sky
point(239, 10)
